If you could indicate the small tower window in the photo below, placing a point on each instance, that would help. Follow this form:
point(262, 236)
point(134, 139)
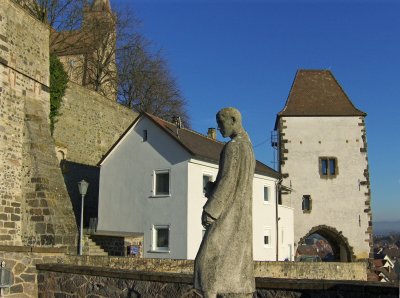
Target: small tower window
point(306, 204)
point(144, 135)
point(328, 167)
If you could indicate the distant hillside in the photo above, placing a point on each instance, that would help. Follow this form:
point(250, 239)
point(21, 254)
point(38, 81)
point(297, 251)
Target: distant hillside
point(386, 227)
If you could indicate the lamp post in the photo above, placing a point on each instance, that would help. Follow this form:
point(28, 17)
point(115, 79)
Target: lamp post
point(83, 186)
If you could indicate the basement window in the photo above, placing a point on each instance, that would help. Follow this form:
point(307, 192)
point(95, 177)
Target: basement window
point(328, 167)
point(161, 238)
point(306, 204)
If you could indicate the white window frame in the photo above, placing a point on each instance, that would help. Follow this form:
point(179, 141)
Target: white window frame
point(202, 177)
point(155, 181)
point(267, 232)
point(269, 195)
point(154, 247)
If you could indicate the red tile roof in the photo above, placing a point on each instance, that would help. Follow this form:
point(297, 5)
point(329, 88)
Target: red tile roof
point(318, 93)
point(198, 145)
point(203, 147)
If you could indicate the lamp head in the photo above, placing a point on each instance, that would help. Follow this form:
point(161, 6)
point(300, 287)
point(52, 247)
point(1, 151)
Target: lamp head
point(83, 186)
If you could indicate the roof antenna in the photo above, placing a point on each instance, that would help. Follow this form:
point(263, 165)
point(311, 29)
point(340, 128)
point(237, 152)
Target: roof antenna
point(178, 123)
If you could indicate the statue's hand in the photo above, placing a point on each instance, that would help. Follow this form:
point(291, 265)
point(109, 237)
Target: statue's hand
point(206, 219)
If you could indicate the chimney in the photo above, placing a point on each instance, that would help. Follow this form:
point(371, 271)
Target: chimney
point(212, 133)
point(178, 124)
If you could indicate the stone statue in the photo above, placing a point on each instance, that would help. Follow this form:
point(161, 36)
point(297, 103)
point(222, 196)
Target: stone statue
point(224, 262)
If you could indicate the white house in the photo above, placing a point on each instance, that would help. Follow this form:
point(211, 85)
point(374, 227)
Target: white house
point(152, 180)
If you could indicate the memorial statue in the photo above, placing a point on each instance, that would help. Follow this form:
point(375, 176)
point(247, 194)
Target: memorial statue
point(224, 262)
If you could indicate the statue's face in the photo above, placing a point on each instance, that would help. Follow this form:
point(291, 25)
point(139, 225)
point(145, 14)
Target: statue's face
point(226, 126)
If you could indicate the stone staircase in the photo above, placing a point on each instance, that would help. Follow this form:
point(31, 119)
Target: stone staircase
point(90, 248)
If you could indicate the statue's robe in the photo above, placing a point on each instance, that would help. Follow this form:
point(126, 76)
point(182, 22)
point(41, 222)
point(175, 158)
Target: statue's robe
point(224, 262)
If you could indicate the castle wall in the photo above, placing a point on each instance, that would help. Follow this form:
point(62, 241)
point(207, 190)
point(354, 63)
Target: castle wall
point(35, 208)
point(89, 124)
point(341, 202)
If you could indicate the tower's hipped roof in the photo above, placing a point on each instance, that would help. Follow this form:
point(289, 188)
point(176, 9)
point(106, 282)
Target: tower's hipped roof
point(317, 93)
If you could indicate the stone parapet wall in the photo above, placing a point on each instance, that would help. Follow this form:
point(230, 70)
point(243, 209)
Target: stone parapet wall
point(292, 270)
point(312, 270)
point(81, 281)
point(22, 261)
point(89, 124)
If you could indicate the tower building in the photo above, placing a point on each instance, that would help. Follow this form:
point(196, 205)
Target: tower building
point(322, 149)
point(88, 54)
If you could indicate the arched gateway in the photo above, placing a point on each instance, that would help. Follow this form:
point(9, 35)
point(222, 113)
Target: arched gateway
point(342, 251)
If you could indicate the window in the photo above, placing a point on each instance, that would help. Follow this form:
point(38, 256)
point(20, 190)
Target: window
point(328, 167)
point(162, 183)
point(161, 238)
point(206, 179)
point(144, 135)
point(306, 204)
point(266, 194)
point(267, 237)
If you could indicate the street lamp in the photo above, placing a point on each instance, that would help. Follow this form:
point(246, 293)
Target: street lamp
point(83, 186)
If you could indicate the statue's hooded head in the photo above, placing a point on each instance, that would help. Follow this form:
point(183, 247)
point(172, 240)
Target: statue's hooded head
point(229, 122)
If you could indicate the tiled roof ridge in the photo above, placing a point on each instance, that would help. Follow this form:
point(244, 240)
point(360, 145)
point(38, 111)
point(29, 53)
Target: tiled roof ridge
point(345, 94)
point(295, 78)
point(187, 129)
point(326, 72)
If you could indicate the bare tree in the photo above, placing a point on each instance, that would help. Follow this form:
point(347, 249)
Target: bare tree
point(104, 51)
point(146, 85)
point(59, 14)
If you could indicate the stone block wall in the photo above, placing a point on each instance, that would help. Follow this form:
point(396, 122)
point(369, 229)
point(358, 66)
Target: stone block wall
point(80, 281)
point(35, 208)
point(22, 261)
point(292, 270)
point(89, 124)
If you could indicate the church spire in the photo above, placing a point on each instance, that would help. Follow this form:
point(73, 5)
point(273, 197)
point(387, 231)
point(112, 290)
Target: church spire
point(101, 5)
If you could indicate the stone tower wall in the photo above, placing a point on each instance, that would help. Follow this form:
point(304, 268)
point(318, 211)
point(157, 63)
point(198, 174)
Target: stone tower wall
point(35, 207)
point(342, 202)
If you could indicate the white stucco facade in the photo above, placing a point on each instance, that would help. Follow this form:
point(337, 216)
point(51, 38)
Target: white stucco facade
point(127, 202)
point(126, 193)
point(340, 201)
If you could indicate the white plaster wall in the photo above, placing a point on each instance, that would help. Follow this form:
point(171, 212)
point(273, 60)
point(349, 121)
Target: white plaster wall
point(264, 218)
point(263, 213)
point(286, 233)
point(338, 202)
point(196, 201)
point(126, 201)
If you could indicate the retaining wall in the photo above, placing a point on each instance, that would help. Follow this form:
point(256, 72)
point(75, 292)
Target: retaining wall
point(81, 281)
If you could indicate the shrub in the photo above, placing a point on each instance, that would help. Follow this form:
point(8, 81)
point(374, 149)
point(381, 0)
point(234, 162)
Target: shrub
point(58, 85)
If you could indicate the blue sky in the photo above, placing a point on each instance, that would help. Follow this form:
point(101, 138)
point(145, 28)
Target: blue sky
point(245, 54)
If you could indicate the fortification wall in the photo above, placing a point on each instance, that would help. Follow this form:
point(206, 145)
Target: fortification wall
point(35, 208)
point(89, 125)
